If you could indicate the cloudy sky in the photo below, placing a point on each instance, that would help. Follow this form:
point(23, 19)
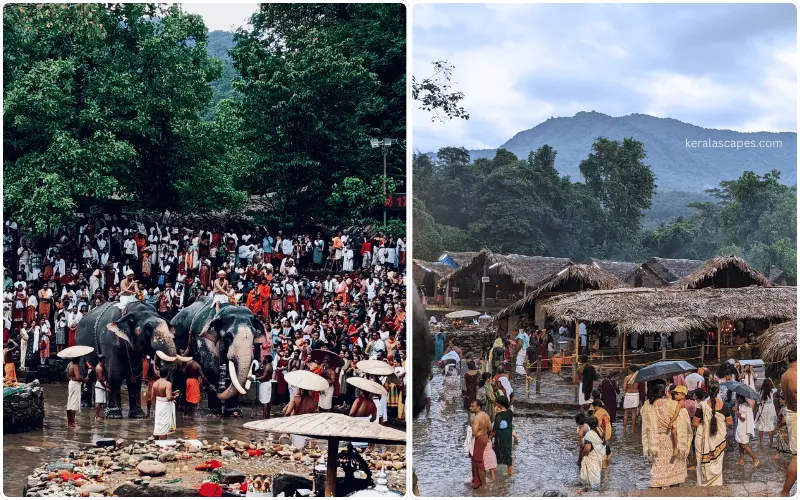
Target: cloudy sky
point(225, 17)
point(718, 66)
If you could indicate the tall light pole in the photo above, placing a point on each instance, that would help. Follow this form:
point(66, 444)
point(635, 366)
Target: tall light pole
point(384, 145)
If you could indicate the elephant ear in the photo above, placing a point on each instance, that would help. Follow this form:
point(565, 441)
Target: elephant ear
point(211, 332)
point(259, 332)
point(124, 328)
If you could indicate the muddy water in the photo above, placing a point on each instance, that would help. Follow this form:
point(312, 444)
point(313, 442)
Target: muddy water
point(546, 457)
point(56, 440)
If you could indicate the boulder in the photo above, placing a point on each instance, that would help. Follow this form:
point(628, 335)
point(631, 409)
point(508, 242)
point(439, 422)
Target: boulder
point(154, 490)
point(151, 468)
point(168, 456)
point(94, 488)
point(230, 476)
point(57, 466)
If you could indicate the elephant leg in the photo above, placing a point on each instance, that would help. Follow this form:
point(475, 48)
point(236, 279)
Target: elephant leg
point(88, 391)
point(135, 399)
point(214, 404)
point(114, 406)
point(232, 407)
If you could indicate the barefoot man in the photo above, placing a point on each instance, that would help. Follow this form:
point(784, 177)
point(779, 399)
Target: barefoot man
point(165, 405)
point(101, 387)
point(302, 403)
point(630, 403)
point(481, 427)
point(265, 386)
point(74, 392)
point(363, 409)
point(194, 373)
point(789, 390)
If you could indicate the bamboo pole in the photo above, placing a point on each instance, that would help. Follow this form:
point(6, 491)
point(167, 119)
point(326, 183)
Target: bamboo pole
point(624, 341)
point(719, 340)
point(538, 375)
point(575, 362)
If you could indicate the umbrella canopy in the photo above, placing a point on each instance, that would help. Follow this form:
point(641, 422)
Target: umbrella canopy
point(368, 385)
point(304, 379)
point(663, 369)
point(330, 426)
point(462, 314)
point(333, 359)
point(75, 351)
point(375, 367)
point(741, 389)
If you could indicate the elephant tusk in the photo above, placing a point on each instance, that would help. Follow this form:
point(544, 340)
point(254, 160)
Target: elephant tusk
point(235, 378)
point(183, 358)
point(247, 385)
point(164, 356)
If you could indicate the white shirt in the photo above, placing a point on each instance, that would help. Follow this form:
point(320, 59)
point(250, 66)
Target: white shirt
point(693, 381)
point(130, 247)
point(287, 246)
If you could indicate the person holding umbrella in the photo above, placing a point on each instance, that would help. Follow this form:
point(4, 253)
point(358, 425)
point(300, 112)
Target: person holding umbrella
point(76, 380)
point(745, 429)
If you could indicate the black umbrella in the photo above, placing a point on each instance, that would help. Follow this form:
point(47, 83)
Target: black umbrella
point(333, 359)
point(663, 370)
point(741, 389)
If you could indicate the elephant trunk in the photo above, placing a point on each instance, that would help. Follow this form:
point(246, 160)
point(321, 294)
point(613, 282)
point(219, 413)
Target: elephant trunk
point(240, 363)
point(163, 340)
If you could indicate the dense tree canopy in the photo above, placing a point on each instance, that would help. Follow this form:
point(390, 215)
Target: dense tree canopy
point(124, 101)
point(525, 206)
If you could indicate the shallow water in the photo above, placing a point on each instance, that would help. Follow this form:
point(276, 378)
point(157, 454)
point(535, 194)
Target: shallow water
point(56, 440)
point(546, 457)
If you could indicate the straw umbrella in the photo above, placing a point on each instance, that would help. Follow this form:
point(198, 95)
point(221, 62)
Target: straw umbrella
point(333, 427)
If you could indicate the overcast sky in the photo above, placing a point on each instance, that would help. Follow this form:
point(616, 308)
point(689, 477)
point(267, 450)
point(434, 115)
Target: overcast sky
point(225, 17)
point(718, 66)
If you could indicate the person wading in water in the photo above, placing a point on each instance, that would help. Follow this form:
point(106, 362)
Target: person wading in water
point(165, 404)
point(101, 387)
point(74, 392)
point(481, 427)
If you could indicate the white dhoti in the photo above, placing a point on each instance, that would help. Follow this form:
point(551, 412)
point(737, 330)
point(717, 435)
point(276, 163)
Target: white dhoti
point(265, 392)
point(326, 398)
point(292, 391)
point(74, 396)
point(124, 300)
point(581, 400)
point(165, 417)
point(383, 410)
point(521, 363)
point(361, 445)
point(791, 425)
point(631, 400)
point(99, 394)
point(220, 298)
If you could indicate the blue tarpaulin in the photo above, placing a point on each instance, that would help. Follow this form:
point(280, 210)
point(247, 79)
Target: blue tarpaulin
point(446, 259)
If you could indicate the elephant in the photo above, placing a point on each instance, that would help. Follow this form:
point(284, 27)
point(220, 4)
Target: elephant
point(221, 339)
point(124, 336)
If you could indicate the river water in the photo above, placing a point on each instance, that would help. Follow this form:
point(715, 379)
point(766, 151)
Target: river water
point(56, 440)
point(546, 457)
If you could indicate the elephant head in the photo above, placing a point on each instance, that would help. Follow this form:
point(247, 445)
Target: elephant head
point(230, 336)
point(145, 331)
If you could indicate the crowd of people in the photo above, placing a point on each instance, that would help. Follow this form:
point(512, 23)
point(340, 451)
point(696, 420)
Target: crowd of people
point(687, 420)
point(345, 293)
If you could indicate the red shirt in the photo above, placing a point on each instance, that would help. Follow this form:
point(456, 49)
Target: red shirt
point(366, 247)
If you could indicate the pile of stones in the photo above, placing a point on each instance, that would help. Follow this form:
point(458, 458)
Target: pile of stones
point(23, 409)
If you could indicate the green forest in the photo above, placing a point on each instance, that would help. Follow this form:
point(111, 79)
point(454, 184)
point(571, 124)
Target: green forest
point(524, 206)
point(136, 102)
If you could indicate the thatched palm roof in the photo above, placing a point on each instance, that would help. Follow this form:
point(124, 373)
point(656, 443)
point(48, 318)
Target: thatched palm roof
point(420, 267)
point(723, 272)
point(778, 341)
point(523, 269)
point(656, 310)
point(461, 258)
point(665, 271)
point(618, 269)
point(572, 278)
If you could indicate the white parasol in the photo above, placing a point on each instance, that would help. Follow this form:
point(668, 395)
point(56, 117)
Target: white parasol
point(75, 351)
point(304, 379)
point(374, 367)
point(462, 314)
point(367, 385)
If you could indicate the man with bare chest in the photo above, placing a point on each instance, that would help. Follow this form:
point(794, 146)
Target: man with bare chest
point(630, 402)
point(265, 386)
point(164, 398)
point(481, 427)
point(301, 403)
point(789, 390)
point(101, 387)
point(194, 373)
point(76, 380)
point(364, 406)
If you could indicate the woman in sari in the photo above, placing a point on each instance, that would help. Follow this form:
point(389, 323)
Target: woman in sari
point(31, 312)
point(710, 419)
point(490, 394)
point(45, 302)
point(503, 432)
point(439, 338)
point(496, 356)
point(591, 457)
point(469, 386)
point(601, 413)
point(667, 452)
point(450, 389)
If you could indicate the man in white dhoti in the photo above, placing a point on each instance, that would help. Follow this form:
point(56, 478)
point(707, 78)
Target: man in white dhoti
point(165, 405)
point(76, 380)
point(128, 289)
point(221, 288)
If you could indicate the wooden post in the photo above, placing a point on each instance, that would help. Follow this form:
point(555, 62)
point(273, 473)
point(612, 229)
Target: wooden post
point(333, 464)
point(447, 294)
point(538, 375)
point(575, 362)
point(719, 341)
point(663, 341)
point(483, 286)
point(624, 341)
point(702, 352)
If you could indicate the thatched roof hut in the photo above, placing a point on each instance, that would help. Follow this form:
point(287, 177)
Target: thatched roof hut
point(778, 341)
point(618, 269)
point(658, 272)
point(573, 278)
point(523, 269)
point(671, 310)
point(461, 258)
point(428, 273)
point(728, 271)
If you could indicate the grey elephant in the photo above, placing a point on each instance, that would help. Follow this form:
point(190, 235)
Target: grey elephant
point(221, 338)
point(125, 336)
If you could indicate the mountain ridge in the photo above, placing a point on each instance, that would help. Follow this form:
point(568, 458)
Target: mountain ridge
point(676, 166)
